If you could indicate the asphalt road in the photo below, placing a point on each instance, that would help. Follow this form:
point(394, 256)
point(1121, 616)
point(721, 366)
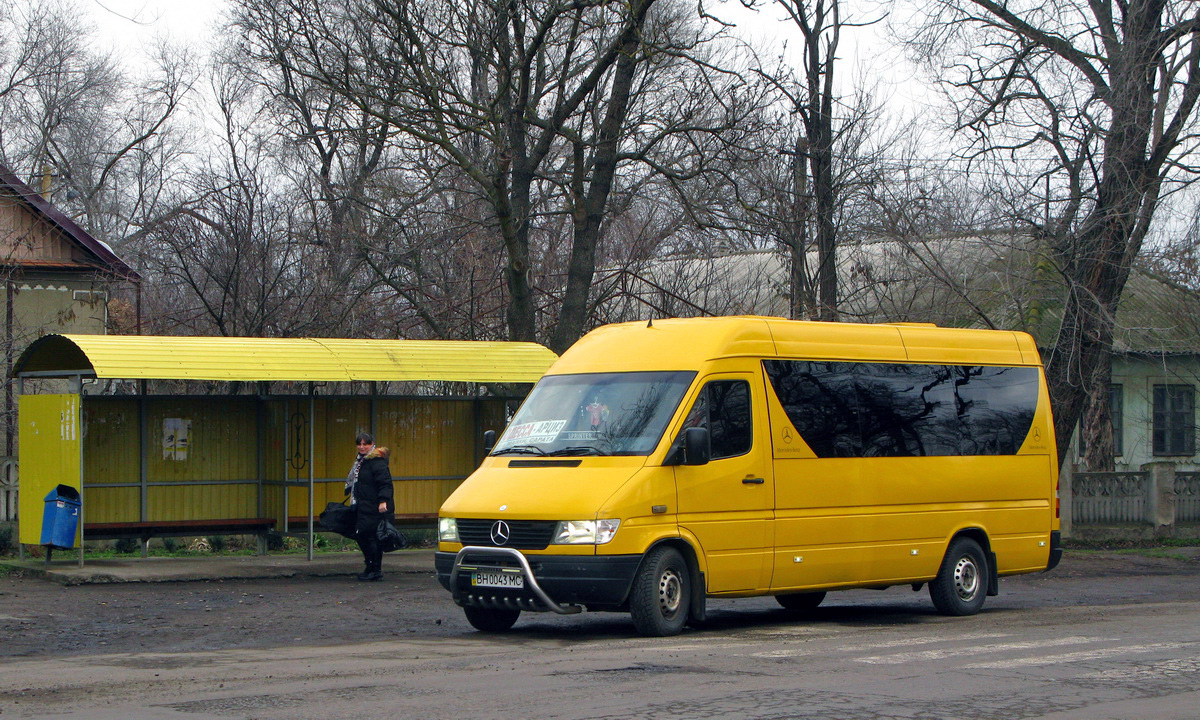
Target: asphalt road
point(1102, 637)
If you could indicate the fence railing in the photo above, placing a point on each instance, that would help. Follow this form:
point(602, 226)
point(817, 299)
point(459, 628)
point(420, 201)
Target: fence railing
point(1187, 496)
point(1109, 497)
point(1158, 495)
point(8, 489)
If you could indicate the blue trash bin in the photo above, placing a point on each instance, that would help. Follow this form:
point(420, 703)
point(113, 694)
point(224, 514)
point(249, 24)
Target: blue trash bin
point(61, 517)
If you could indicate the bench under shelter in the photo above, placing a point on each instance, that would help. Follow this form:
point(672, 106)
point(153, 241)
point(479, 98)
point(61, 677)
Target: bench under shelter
point(260, 456)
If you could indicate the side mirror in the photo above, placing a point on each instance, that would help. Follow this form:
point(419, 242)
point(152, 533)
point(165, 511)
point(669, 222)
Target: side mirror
point(696, 449)
point(489, 441)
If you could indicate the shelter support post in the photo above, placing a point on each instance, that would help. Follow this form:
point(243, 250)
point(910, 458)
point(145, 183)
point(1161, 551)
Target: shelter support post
point(312, 421)
point(373, 410)
point(143, 463)
point(20, 545)
point(287, 449)
point(77, 389)
point(260, 419)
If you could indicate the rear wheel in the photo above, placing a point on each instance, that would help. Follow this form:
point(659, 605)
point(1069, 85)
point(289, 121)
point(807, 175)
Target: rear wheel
point(800, 602)
point(491, 619)
point(661, 593)
point(961, 584)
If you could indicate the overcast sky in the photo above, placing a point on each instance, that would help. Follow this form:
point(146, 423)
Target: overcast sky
point(131, 23)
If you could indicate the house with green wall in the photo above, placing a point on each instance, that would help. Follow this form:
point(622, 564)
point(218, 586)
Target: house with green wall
point(57, 279)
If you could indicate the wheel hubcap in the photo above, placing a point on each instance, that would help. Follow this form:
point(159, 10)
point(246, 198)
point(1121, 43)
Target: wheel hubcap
point(966, 578)
point(670, 592)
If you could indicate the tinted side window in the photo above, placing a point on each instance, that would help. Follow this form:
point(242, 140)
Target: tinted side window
point(821, 400)
point(901, 410)
point(723, 407)
point(996, 406)
point(729, 418)
point(907, 410)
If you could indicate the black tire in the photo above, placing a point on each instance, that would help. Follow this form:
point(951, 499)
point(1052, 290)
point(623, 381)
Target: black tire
point(661, 594)
point(961, 584)
point(800, 602)
point(491, 619)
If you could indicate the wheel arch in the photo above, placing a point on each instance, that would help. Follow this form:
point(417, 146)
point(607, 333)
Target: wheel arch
point(696, 612)
point(980, 536)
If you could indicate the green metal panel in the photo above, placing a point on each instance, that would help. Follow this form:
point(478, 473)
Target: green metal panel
point(49, 447)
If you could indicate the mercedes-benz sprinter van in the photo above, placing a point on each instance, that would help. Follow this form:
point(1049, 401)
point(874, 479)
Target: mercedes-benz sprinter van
point(657, 464)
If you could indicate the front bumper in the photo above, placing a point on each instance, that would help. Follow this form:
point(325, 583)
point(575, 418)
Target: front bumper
point(553, 583)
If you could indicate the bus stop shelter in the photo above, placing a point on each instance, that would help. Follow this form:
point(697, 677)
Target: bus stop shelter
point(194, 464)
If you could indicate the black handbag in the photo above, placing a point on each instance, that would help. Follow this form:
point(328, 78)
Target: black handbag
point(339, 518)
point(389, 536)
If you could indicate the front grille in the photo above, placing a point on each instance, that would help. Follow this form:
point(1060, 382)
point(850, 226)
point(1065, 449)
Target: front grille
point(491, 561)
point(523, 534)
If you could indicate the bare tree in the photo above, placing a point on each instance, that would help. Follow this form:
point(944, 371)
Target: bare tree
point(812, 184)
point(73, 122)
point(528, 123)
point(491, 85)
point(1095, 104)
point(820, 23)
point(235, 255)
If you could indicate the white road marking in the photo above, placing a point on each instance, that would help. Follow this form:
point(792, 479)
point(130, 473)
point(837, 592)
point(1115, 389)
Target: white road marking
point(911, 642)
point(1075, 656)
point(940, 654)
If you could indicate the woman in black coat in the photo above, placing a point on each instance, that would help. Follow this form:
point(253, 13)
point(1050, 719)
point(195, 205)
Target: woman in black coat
point(371, 494)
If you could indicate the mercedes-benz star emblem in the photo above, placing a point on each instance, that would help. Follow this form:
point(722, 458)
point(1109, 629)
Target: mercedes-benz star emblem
point(500, 532)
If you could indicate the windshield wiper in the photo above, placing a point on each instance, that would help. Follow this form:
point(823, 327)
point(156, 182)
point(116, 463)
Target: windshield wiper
point(577, 450)
point(520, 450)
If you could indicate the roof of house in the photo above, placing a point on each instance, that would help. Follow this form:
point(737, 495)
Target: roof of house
point(104, 257)
point(979, 281)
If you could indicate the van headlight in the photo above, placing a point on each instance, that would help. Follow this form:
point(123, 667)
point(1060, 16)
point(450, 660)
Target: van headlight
point(585, 532)
point(447, 530)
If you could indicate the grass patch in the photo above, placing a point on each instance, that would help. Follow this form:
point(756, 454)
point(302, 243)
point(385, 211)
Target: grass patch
point(1130, 544)
point(1161, 553)
point(1163, 549)
point(214, 546)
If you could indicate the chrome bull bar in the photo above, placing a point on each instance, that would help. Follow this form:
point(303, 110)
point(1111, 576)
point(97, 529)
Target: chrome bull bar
point(531, 584)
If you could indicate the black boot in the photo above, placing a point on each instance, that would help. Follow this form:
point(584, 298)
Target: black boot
point(368, 569)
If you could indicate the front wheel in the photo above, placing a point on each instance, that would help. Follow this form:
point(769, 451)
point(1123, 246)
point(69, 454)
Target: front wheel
point(661, 593)
point(491, 619)
point(961, 584)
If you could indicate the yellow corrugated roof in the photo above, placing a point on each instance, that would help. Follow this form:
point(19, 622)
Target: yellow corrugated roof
point(133, 357)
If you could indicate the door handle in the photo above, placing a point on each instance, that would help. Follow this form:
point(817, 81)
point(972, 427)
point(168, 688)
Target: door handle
point(753, 481)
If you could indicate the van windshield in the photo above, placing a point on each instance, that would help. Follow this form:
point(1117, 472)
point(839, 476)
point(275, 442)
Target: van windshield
point(595, 414)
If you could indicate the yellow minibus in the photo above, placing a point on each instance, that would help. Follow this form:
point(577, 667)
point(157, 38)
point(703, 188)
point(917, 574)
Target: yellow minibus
point(660, 463)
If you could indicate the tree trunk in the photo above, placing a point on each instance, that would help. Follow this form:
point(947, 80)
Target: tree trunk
point(589, 209)
point(1096, 430)
point(1097, 258)
point(803, 301)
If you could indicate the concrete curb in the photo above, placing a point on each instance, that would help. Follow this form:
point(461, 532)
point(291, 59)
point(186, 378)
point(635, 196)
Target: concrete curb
point(192, 569)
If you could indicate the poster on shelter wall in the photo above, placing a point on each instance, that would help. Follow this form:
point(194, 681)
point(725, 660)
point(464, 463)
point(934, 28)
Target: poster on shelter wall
point(175, 438)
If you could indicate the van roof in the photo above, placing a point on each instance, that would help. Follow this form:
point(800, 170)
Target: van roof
point(685, 343)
